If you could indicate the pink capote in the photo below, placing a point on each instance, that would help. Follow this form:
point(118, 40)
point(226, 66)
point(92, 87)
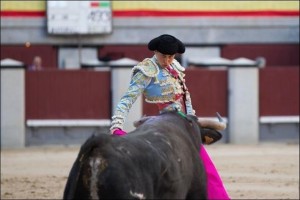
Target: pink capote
point(215, 187)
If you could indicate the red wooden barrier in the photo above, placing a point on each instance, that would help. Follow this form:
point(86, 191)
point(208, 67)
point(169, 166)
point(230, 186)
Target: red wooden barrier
point(66, 94)
point(279, 91)
point(208, 90)
point(83, 94)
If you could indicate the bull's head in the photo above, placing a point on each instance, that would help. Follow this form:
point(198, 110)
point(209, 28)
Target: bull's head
point(210, 129)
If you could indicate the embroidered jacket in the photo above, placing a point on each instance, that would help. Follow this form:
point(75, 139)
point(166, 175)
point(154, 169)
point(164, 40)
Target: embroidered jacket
point(157, 85)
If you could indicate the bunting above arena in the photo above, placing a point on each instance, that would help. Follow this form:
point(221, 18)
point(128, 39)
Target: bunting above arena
point(167, 8)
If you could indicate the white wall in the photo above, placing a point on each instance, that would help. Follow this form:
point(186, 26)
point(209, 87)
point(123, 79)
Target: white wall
point(12, 108)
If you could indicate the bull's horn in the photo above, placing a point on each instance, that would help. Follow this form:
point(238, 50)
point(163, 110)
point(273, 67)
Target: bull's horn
point(209, 123)
point(219, 117)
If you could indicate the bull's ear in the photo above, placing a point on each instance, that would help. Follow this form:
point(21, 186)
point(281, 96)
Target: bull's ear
point(192, 117)
point(141, 121)
point(210, 136)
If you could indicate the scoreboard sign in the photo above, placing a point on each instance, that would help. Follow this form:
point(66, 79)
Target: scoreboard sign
point(79, 17)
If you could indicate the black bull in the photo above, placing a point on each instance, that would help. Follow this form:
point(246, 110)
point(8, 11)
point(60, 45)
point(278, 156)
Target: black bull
point(158, 160)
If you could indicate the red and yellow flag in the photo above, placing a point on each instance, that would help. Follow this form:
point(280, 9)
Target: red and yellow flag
point(166, 8)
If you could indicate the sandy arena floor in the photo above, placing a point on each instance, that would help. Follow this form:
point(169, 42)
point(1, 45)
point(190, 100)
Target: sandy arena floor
point(264, 171)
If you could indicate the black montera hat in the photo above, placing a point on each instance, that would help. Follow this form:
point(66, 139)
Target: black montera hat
point(166, 44)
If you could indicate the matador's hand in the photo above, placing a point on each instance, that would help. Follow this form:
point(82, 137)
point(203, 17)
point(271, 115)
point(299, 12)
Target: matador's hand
point(118, 132)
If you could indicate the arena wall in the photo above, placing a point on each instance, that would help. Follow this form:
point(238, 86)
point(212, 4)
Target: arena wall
point(233, 29)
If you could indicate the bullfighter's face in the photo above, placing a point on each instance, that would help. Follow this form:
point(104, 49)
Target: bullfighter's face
point(164, 60)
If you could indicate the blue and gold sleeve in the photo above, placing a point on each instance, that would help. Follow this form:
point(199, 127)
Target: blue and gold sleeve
point(136, 87)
